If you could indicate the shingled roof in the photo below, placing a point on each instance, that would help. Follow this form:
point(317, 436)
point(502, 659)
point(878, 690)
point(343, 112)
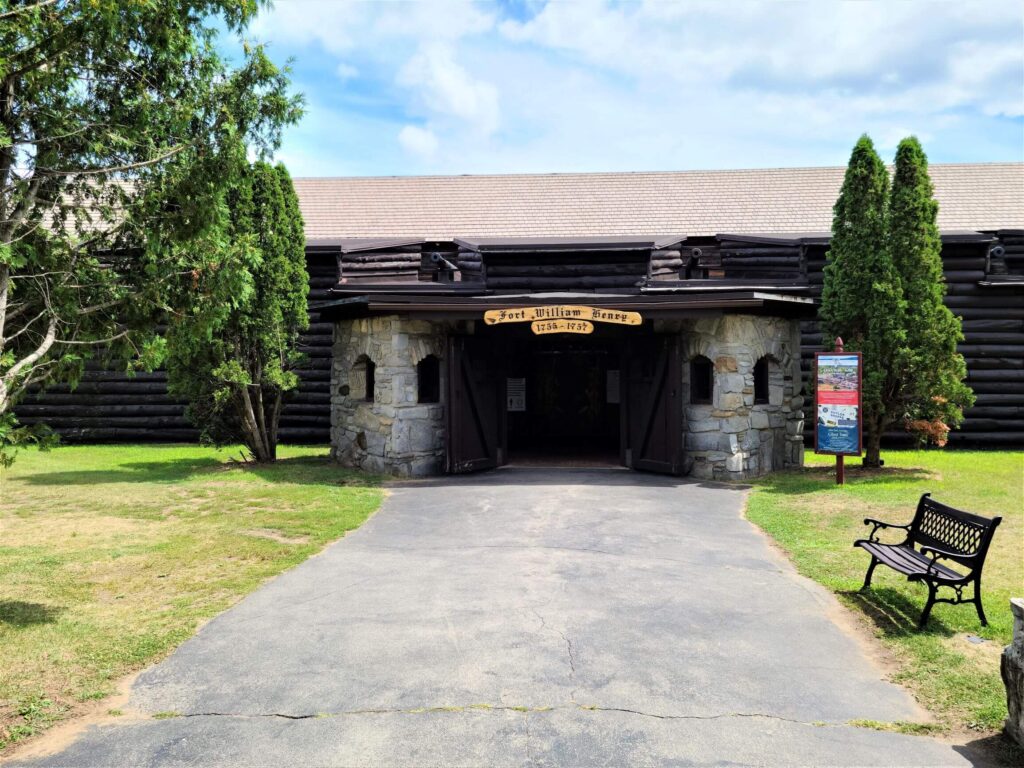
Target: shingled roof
point(985, 196)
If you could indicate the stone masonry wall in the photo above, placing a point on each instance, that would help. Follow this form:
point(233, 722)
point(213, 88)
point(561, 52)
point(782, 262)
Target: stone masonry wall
point(733, 438)
point(393, 433)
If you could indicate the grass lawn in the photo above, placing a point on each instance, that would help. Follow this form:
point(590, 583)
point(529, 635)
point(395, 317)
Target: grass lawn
point(110, 556)
point(816, 522)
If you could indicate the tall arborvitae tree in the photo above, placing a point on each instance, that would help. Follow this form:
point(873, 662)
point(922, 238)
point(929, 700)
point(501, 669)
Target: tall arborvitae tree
point(861, 297)
point(933, 373)
point(232, 354)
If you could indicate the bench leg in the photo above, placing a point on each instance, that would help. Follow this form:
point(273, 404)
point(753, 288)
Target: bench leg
point(871, 570)
point(932, 588)
point(977, 603)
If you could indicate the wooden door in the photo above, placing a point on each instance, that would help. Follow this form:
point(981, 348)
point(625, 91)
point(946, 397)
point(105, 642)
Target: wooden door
point(654, 426)
point(475, 397)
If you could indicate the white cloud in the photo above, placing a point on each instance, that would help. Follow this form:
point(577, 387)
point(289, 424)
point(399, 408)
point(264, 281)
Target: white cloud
point(445, 87)
point(420, 142)
point(610, 85)
point(345, 71)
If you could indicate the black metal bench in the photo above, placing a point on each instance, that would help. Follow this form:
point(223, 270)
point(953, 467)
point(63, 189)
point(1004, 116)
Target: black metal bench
point(937, 532)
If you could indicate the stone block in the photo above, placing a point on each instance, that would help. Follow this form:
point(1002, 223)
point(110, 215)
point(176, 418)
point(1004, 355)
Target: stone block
point(730, 401)
point(705, 425)
point(702, 470)
point(758, 419)
point(751, 440)
point(702, 441)
point(422, 437)
point(731, 382)
point(698, 412)
point(726, 364)
point(776, 420)
point(734, 463)
point(1012, 669)
point(795, 427)
point(735, 424)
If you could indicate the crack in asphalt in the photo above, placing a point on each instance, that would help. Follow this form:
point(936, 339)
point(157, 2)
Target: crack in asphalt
point(576, 707)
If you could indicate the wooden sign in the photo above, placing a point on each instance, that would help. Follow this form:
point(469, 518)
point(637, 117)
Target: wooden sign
point(561, 325)
point(561, 312)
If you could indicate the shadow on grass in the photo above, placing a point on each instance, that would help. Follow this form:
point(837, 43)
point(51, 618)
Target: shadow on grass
point(995, 750)
point(812, 479)
point(18, 613)
point(894, 613)
point(301, 470)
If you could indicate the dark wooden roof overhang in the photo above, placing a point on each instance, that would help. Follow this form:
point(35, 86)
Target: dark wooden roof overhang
point(469, 306)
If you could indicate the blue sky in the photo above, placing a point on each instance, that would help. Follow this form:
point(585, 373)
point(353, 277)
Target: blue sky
point(530, 86)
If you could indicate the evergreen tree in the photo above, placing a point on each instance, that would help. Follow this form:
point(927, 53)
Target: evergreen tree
point(861, 297)
point(232, 354)
point(933, 373)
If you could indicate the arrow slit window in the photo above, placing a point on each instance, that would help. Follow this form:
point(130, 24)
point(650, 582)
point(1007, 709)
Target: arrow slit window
point(702, 380)
point(428, 380)
point(362, 378)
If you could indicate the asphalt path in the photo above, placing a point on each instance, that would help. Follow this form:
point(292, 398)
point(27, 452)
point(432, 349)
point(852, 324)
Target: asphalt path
point(525, 617)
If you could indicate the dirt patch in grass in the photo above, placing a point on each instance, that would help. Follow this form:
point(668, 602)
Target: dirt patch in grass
point(264, 533)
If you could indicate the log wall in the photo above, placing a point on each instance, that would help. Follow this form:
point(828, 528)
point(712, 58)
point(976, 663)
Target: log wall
point(993, 346)
point(111, 406)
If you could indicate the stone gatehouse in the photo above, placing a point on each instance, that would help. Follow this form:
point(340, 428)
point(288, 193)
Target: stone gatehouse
point(714, 396)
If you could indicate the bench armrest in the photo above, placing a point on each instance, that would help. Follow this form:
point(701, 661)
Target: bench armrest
point(938, 554)
point(942, 552)
point(880, 524)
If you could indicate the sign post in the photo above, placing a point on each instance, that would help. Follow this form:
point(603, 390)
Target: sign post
point(838, 427)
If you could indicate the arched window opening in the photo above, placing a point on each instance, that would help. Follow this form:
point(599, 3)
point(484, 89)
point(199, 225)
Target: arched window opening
point(702, 380)
point(428, 379)
point(362, 378)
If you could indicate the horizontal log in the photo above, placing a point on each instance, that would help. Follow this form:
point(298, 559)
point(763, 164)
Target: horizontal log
point(997, 387)
point(744, 249)
point(1004, 398)
point(989, 363)
point(988, 439)
point(964, 275)
point(991, 350)
point(732, 258)
point(979, 424)
point(128, 435)
point(989, 324)
point(562, 282)
point(109, 422)
point(316, 339)
point(953, 263)
point(64, 412)
point(556, 270)
point(994, 338)
point(995, 375)
point(381, 256)
point(79, 399)
point(1014, 412)
point(379, 267)
point(978, 312)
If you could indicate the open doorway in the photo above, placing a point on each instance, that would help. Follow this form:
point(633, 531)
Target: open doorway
point(563, 401)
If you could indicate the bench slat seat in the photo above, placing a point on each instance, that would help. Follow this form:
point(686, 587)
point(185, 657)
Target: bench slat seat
point(909, 561)
point(937, 532)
